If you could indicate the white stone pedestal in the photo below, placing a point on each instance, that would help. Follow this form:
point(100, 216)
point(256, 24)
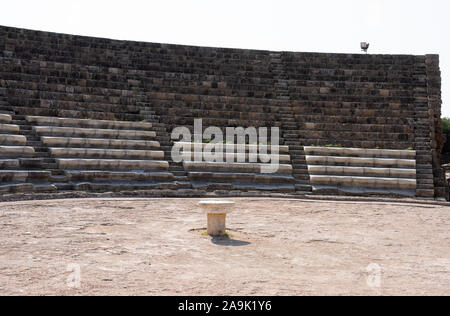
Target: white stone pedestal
point(217, 215)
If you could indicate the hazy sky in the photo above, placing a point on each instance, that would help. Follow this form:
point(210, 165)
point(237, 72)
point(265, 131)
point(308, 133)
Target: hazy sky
point(391, 27)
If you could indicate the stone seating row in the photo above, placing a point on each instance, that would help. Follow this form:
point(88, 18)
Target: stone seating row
point(91, 154)
point(237, 175)
point(85, 123)
point(380, 170)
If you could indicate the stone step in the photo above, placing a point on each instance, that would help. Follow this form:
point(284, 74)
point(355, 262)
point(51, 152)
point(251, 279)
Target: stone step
point(363, 171)
point(190, 156)
point(6, 112)
point(9, 163)
point(360, 152)
point(105, 153)
point(303, 187)
point(364, 182)
point(23, 176)
point(16, 151)
point(5, 118)
point(237, 167)
point(85, 123)
point(98, 143)
point(98, 176)
point(120, 187)
point(239, 177)
point(111, 164)
point(31, 163)
point(92, 133)
point(9, 129)
point(17, 188)
point(13, 140)
point(361, 162)
point(274, 188)
point(232, 147)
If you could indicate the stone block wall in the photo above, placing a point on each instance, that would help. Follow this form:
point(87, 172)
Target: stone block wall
point(367, 101)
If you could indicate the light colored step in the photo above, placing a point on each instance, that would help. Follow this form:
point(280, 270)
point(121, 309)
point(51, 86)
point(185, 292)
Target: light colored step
point(360, 152)
point(273, 188)
point(5, 118)
point(117, 187)
point(234, 167)
point(17, 188)
point(364, 182)
point(9, 163)
point(362, 171)
point(111, 164)
point(18, 140)
point(361, 162)
point(23, 176)
point(106, 153)
point(92, 133)
point(190, 156)
point(9, 128)
point(98, 142)
point(86, 175)
point(240, 177)
point(193, 147)
point(100, 124)
point(16, 151)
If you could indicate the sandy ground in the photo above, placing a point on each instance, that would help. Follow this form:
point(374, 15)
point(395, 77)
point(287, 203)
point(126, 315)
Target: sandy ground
point(277, 247)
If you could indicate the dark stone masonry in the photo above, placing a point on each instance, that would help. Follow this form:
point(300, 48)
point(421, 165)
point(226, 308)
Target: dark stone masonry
point(343, 100)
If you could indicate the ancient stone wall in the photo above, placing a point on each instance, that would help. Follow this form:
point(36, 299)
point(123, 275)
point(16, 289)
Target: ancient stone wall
point(365, 101)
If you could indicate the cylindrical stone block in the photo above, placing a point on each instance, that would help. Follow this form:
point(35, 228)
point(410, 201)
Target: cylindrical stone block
point(217, 224)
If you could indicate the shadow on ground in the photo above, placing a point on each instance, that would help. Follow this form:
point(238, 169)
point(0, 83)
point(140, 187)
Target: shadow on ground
point(227, 241)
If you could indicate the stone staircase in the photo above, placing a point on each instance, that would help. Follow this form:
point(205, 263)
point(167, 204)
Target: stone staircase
point(237, 171)
point(362, 171)
point(288, 125)
point(21, 165)
point(163, 136)
point(101, 155)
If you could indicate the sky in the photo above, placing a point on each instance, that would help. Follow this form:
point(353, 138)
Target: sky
point(390, 26)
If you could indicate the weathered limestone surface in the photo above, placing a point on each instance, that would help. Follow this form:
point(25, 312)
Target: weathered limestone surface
point(100, 124)
point(90, 132)
point(16, 140)
point(9, 128)
point(356, 168)
point(111, 164)
point(98, 143)
point(106, 153)
point(5, 118)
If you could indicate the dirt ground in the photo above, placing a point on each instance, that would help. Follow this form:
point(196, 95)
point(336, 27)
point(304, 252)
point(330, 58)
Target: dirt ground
point(276, 247)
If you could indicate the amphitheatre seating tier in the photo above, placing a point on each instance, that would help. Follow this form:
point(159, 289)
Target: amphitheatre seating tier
point(390, 102)
point(106, 153)
point(237, 171)
point(106, 176)
point(9, 128)
point(13, 140)
point(97, 124)
point(234, 147)
point(91, 132)
point(111, 164)
point(98, 143)
point(16, 151)
point(392, 171)
point(190, 156)
point(233, 167)
point(5, 118)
